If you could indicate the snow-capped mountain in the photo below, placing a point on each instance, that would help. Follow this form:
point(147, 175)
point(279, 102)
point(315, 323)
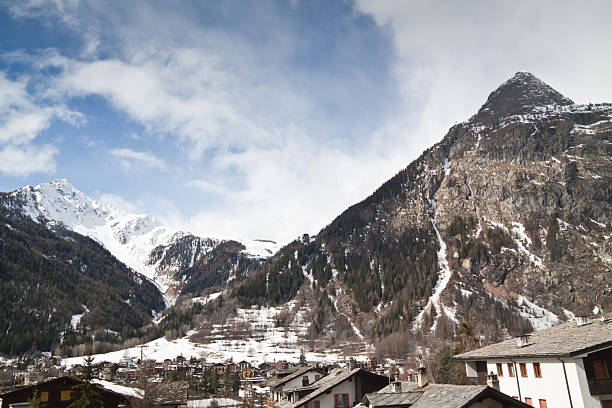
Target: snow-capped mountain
point(138, 240)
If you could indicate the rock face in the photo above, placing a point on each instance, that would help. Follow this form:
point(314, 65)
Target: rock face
point(503, 223)
point(519, 95)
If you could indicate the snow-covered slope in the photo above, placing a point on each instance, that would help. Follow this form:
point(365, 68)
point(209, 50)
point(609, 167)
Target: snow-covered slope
point(129, 237)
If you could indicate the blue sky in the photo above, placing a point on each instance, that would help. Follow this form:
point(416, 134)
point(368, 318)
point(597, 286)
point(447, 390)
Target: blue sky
point(264, 119)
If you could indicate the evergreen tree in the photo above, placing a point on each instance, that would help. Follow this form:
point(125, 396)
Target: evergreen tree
point(212, 382)
point(36, 400)
point(236, 383)
point(227, 382)
point(86, 392)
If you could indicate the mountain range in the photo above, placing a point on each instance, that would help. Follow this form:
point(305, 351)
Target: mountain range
point(503, 224)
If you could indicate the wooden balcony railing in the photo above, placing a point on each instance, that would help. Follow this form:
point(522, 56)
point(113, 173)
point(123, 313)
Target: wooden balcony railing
point(600, 386)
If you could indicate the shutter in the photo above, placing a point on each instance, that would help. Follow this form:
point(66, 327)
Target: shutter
point(335, 400)
point(317, 404)
point(346, 400)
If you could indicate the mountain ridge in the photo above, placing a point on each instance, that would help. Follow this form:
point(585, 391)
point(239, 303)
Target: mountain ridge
point(133, 238)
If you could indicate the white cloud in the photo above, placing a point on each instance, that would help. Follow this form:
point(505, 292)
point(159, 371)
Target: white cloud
point(25, 160)
point(116, 201)
point(298, 187)
point(179, 92)
point(22, 119)
point(132, 160)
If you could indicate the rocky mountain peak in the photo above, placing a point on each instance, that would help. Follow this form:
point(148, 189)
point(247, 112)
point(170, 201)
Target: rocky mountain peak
point(519, 95)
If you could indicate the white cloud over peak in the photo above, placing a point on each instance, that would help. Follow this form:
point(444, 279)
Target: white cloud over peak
point(133, 160)
point(450, 55)
point(25, 160)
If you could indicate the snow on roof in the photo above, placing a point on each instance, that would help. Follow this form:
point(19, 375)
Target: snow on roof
point(120, 389)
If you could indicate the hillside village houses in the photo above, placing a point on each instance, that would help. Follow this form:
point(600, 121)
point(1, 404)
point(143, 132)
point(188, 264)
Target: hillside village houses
point(564, 366)
point(569, 365)
point(278, 385)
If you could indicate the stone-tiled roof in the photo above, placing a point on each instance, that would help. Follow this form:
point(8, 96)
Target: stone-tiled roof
point(392, 399)
point(564, 340)
point(440, 396)
point(448, 396)
point(168, 393)
point(406, 386)
point(300, 371)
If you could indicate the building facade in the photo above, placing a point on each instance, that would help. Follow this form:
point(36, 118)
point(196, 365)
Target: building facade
point(564, 366)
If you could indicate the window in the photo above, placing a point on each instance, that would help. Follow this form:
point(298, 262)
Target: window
point(305, 381)
point(65, 396)
point(528, 401)
point(537, 371)
point(601, 369)
point(317, 377)
point(44, 396)
point(510, 370)
point(500, 370)
point(543, 404)
point(341, 401)
point(523, 368)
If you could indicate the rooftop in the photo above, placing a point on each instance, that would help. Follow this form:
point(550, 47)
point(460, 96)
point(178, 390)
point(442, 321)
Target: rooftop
point(564, 340)
point(330, 380)
point(440, 396)
point(296, 373)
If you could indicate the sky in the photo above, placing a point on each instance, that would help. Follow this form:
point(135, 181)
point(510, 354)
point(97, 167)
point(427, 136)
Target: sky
point(265, 119)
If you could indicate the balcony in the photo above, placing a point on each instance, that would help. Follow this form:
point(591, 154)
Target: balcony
point(600, 386)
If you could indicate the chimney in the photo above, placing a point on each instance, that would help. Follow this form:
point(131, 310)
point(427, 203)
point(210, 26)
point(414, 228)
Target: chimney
point(422, 378)
point(581, 320)
point(493, 381)
point(522, 341)
point(396, 386)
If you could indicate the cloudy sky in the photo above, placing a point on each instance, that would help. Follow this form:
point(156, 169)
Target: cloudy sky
point(265, 119)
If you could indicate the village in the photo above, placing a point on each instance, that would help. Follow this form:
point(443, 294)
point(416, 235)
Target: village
point(568, 365)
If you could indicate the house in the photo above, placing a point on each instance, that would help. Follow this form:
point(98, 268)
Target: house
point(281, 365)
point(59, 393)
point(244, 365)
point(569, 365)
point(302, 376)
point(341, 388)
point(410, 394)
point(247, 373)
